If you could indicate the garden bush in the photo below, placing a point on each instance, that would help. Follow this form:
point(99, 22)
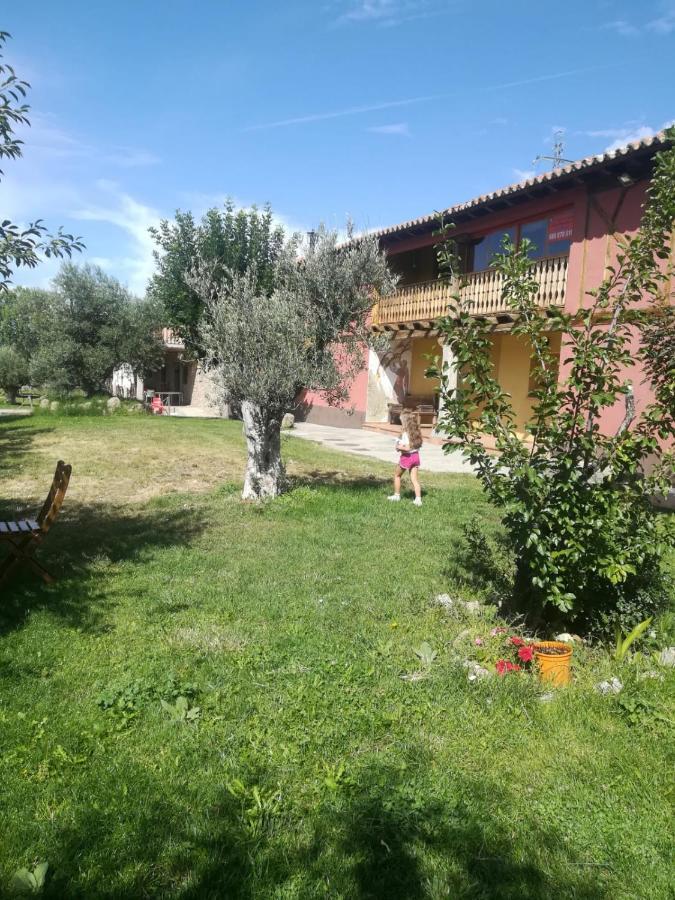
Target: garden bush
point(576, 500)
point(13, 372)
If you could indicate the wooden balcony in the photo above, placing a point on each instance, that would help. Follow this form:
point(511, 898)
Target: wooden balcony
point(430, 300)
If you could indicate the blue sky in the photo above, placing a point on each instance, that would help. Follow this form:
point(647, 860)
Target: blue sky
point(381, 110)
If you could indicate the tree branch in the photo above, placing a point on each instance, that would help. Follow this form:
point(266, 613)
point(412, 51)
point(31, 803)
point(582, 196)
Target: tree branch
point(630, 412)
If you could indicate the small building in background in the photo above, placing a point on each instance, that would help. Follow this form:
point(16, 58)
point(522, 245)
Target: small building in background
point(182, 383)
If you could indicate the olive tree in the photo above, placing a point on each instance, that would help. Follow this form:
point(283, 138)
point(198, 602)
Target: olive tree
point(91, 325)
point(13, 372)
point(308, 332)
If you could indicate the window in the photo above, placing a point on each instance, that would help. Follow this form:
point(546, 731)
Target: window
point(550, 236)
point(559, 234)
point(486, 247)
point(536, 233)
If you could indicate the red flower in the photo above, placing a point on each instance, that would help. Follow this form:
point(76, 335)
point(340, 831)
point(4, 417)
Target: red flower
point(517, 642)
point(525, 654)
point(504, 665)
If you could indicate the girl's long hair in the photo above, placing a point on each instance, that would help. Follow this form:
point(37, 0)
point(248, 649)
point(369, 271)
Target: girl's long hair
point(411, 427)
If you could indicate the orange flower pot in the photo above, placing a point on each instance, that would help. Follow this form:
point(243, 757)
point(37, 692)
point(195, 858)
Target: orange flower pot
point(554, 668)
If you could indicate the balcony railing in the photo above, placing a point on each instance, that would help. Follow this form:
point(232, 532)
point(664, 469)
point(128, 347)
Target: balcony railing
point(430, 300)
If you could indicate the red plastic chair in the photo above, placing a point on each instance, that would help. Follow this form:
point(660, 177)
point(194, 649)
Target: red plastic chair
point(157, 406)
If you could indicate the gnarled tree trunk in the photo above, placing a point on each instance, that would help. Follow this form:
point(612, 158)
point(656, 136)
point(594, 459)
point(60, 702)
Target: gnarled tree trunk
point(265, 473)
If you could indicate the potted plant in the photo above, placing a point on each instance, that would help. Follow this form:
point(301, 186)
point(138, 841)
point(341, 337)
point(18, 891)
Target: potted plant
point(553, 660)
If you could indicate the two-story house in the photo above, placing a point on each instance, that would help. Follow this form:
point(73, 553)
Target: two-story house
point(572, 215)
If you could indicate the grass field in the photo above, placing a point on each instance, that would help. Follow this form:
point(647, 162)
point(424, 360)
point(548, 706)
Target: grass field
point(209, 702)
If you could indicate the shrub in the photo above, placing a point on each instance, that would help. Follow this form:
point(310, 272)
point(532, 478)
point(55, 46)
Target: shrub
point(13, 372)
point(576, 503)
point(77, 394)
point(641, 596)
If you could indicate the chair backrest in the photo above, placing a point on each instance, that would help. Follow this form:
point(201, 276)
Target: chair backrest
point(57, 492)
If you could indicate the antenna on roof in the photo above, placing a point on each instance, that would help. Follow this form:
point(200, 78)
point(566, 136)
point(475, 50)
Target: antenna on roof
point(557, 159)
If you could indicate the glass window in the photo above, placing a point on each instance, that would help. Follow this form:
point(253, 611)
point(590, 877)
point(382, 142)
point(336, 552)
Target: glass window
point(535, 232)
point(486, 247)
point(551, 236)
point(559, 233)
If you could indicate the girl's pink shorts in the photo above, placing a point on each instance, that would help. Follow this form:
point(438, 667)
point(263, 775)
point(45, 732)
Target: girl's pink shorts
point(409, 460)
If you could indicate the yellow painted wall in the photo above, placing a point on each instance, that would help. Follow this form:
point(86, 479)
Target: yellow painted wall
point(513, 368)
point(513, 373)
point(419, 385)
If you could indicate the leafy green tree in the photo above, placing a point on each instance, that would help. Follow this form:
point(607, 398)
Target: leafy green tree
point(92, 326)
point(308, 332)
point(22, 246)
point(230, 240)
point(26, 317)
point(576, 499)
point(13, 372)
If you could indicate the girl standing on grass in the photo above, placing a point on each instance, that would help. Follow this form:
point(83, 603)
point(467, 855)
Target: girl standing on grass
point(408, 445)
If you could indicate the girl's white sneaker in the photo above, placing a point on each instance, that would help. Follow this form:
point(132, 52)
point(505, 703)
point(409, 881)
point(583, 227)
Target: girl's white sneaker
point(417, 501)
point(394, 497)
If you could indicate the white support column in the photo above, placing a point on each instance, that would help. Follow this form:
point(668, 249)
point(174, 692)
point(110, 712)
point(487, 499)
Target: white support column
point(448, 359)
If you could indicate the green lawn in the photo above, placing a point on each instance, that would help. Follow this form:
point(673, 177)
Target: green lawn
point(304, 765)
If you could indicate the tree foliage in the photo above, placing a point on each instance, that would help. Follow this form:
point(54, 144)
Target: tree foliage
point(13, 372)
point(308, 332)
point(22, 246)
point(576, 499)
point(245, 241)
point(75, 335)
point(26, 318)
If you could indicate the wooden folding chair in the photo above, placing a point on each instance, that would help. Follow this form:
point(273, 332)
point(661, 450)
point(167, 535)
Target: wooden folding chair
point(26, 535)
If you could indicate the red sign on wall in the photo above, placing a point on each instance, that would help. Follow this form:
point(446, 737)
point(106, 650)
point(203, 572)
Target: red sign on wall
point(560, 227)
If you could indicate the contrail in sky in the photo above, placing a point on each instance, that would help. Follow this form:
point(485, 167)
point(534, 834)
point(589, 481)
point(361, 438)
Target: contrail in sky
point(411, 101)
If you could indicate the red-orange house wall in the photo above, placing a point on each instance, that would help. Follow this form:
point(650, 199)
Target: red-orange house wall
point(596, 214)
point(314, 407)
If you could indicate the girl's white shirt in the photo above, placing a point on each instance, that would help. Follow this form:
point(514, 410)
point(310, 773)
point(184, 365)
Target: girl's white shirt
point(403, 441)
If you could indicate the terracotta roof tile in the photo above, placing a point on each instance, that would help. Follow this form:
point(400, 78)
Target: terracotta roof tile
point(581, 165)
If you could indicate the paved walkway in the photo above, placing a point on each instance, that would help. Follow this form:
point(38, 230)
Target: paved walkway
point(195, 412)
point(363, 442)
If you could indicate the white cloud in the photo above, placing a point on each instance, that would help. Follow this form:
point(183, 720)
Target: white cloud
point(389, 13)
point(662, 24)
point(103, 262)
point(134, 218)
point(127, 158)
point(45, 139)
point(627, 137)
point(398, 128)
point(524, 174)
point(622, 27)
point(624, 134)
